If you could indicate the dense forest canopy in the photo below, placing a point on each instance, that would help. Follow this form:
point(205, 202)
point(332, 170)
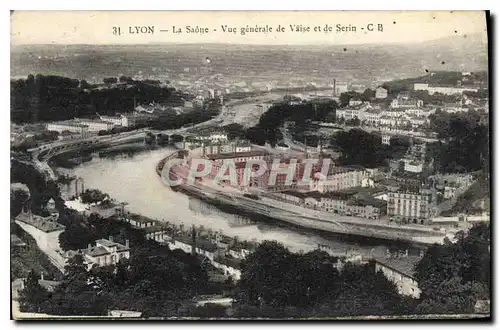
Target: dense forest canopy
point(52, 98)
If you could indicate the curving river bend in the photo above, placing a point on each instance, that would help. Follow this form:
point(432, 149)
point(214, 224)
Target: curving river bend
point(134, 180)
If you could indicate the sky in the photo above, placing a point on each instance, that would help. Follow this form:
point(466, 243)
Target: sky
point(96, 27)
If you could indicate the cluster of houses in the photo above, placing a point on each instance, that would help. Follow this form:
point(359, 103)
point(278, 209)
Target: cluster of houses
point(223, 253)
point(405, 112)
point(414, 161)
point(350, 203)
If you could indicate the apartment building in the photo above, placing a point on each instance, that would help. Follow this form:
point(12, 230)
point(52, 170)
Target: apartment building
point(411, 206)
point(338, 178)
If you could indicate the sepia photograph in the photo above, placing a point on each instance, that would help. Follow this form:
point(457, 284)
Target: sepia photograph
point(250, 165)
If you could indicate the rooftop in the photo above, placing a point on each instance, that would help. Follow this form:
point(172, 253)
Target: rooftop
point(317, 195)
point(230, 155)
point(229, 261)
point(104, 205)
point(46, 225)
point(140, 218)
point(390, 182)
point(206, 245)
point(109, 243)
point(155, 228)
point(370, 202)
point(404, 265)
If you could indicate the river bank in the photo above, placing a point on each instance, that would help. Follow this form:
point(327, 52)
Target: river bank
point(237, 202)
point(135, 181)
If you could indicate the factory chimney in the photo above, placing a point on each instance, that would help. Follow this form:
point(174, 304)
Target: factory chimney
point(193, 236)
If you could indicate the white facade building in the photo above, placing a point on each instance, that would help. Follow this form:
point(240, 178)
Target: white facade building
point(67, 126)
point(412, 166)
point(380, 93)
point(400, 272)
point(106, 252)
point(448, 90)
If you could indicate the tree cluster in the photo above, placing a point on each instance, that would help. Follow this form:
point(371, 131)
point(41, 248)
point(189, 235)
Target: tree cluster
point(454, 276)
point(277, 281)
point(155, 280)
point(52, 98)
point(268, 127)
point(92, 196)
point(366, 96)
point(368, 150)
point(40, 189)
point(467, 147)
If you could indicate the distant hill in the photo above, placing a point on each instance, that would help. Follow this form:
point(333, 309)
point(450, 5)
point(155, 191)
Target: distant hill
point(437, 78)
point(362, 63)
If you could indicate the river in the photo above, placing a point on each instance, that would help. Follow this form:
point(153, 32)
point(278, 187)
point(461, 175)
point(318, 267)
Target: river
point(134, 180)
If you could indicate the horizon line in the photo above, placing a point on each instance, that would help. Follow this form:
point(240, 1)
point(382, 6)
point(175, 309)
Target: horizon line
point(250, 44)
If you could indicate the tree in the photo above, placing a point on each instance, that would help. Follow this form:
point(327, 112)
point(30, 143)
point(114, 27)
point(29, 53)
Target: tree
point(84, 84)
point(347, 96)
point(91, 196)
point(234, 131)
point(369, 151)
point(265, 275)
point(33, 297)
point(454, 276)
point(111, 80)
point(18, 198)
point(76, 295)
point(368, 94)
point(176, 138)
point(362, 292)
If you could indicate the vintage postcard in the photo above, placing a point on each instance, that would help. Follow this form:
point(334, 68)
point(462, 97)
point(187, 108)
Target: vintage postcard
point(250, 165)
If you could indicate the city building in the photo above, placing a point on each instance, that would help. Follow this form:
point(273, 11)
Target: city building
point(405, 103)
point(68, 126)
point(448, 90)
point(107, 209)
point(338, 203)
point(19, 283)
point(80, 126)
point(418, 122)
point(106, 252)
point(372, 117)
point(400, 270)
point(355, 110)
point(413, 166)
point(411, 206)
point(121, 120)
point(449, 192)
point(215, 137)
point(152, 229)
point(380, 93)
point(239, 252)
point(239, 157)
point(386, 139)
point(354, 102)
point(338, 178)
point(95, 126)
point(45, 230)
point(228, 265)
point(181, 243)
